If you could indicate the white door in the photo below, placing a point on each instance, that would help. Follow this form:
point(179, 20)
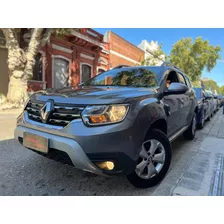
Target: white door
point(61, 73)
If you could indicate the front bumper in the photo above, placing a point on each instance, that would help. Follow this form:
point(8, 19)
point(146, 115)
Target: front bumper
point(84, 146)
point(69, 146)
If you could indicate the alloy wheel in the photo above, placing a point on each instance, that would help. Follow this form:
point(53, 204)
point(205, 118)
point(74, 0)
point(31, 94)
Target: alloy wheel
point(151, 159)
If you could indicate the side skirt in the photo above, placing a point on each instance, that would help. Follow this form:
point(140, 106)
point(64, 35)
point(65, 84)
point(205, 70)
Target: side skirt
point(177, 134)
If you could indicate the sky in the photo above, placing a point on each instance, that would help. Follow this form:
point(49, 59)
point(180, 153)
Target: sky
point(169, 36)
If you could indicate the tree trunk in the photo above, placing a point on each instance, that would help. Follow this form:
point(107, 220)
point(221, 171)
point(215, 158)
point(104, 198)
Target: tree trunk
point(16, 64)
point(32, 52)
point(17, 90)
point(20, 65)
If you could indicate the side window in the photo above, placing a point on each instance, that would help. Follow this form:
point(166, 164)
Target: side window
point(188, 82)
point(181, 78)
point(172, 77)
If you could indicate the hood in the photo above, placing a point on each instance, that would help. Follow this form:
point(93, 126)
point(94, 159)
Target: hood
point(92, 95)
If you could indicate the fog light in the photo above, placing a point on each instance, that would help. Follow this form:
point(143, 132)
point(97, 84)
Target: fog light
point(107, 165)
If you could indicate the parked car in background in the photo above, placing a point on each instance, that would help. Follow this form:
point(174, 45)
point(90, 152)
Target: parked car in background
point(121, 121)
point(204, 108)
point(209, 103)
point(216, 103)
point(220, 100)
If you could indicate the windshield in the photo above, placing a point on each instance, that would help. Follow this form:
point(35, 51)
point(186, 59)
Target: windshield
point(133, 77)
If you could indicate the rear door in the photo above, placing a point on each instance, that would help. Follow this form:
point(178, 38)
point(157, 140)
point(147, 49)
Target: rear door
point(192, 101)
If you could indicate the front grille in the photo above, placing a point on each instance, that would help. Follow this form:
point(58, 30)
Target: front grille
point(60, 116)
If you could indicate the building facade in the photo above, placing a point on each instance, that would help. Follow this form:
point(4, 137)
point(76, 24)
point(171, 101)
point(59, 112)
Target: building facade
point(70, 60)
point(122, 52)
point(64, 61)
point(149, 48)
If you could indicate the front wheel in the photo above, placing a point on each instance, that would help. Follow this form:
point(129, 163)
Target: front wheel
point(201, 124)
point(190, 132)
point(154, 161)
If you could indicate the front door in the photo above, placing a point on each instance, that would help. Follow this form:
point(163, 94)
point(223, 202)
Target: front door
point(172, 105)
point(172, 108)
point(61, 73)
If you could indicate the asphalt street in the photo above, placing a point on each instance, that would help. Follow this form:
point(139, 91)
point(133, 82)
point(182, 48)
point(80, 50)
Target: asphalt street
point(23, 172)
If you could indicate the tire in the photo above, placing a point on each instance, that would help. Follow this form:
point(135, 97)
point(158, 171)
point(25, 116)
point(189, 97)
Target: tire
point(190, 132)
point(209, 118)
point(148, 172)
point(201, 125)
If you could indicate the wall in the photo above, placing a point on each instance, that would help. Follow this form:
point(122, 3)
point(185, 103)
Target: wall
point(122, 51)
point(4, 77)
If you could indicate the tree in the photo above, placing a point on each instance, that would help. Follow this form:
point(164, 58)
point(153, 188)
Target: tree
point(157, 56)
point(196, 83)
point(209, 83)
point(221, 90)
point(21, 61)
point(194, 56)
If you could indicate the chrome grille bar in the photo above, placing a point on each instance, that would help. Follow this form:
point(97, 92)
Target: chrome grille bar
point(61, 116)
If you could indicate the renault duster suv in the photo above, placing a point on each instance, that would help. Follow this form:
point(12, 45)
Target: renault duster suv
point(119, 122)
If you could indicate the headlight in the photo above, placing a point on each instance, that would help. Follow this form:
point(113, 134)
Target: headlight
point(104, 114)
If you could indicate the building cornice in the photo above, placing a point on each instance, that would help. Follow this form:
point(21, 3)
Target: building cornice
point(124, 57)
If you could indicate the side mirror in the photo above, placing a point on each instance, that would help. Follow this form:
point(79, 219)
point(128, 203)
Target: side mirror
point(176, 88)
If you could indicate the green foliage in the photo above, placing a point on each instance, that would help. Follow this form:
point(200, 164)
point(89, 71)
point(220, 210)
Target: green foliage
point(155, 58)
point(196, 83)
point(221, 90)
point(211, 83)
point(194, 56)
point(62, 31)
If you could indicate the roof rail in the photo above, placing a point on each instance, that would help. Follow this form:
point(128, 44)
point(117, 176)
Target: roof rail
point(170, 64)
point(121, 66)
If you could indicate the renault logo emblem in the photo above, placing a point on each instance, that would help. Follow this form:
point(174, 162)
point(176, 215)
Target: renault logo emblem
point(46, 110)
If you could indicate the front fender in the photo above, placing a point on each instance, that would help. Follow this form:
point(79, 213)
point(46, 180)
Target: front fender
point(148, 111)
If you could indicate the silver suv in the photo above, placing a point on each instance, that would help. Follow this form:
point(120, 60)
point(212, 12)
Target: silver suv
point(119, 122)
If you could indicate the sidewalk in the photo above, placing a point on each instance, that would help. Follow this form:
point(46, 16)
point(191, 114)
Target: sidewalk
point(8, 123)
point(201, 171)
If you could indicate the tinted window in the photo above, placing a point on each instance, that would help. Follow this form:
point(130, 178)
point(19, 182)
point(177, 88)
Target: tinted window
point(181, 79)
point(134, 77)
